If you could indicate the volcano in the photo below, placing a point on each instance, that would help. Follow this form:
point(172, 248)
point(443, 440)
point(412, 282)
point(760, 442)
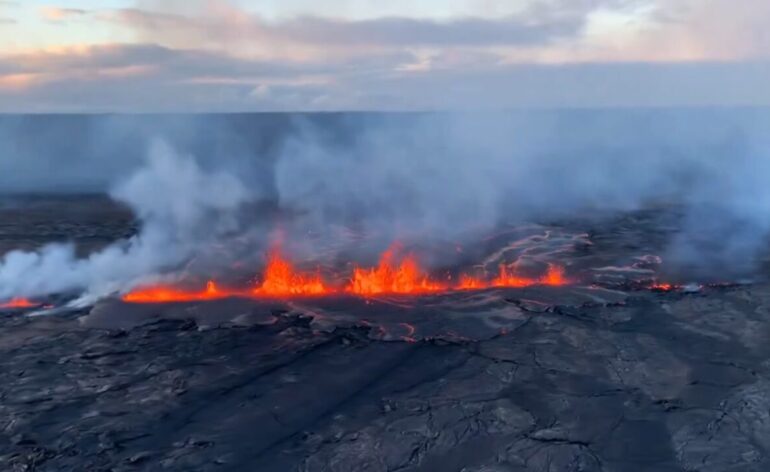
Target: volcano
point(564, 346)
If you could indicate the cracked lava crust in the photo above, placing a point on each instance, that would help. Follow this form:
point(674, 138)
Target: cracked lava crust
point(619, 370)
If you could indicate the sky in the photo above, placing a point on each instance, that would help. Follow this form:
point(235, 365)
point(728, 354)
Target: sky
point(308, 55)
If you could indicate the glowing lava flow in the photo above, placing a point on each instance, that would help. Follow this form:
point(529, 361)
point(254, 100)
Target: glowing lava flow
point(555, 276)
point(663, 287)
point(391, 276)
point(472, 283)
point(18, 303)
point(169, 294)
point(507, 279)
point(282, 280)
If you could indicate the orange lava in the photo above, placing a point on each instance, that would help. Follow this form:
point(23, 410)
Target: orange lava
point(468, 282)
point(663, 287)
point(507, 279)
point(393, 275)
point(555, 276)
point(17, 303)
point(169, 294)
point(281, 279)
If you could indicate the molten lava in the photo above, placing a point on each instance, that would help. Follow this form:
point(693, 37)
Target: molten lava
point(169, 294)
point(18, 303)
point(554, 277)
point(282, 280)
point(508, 279)
point(468, 282)
point(663, 287)
point(393, 275)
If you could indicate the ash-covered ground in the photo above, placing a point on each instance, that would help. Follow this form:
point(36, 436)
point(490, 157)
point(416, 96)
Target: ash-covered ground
point(608, 374)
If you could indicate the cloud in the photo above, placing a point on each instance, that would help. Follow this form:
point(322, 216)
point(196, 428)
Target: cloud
point(540, 31)
point(128, 77)
point(682, 30)
point(6, 5)
point(397, 32)
point(179, 64)
point(221, 22)
point(51, 13)
point(148, 77)
point(213, 55)
point(722, 28)
point(605, 84)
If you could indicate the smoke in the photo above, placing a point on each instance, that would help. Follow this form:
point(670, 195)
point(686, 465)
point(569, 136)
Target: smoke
point(420, 179)
point(726, 229)
point(443, 176)
point(454, 177)
point(182, 209)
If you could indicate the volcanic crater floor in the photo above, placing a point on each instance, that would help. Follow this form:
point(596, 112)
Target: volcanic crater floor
point(634, 382)
point(600, 377)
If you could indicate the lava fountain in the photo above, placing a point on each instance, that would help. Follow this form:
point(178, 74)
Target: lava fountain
point(282, 280)
point(393, 275)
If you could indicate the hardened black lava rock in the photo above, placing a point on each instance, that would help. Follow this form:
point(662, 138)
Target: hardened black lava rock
point(652, 382)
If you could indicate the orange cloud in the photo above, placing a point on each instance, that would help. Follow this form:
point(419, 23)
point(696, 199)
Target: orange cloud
point(17, 82)
point(52, 13)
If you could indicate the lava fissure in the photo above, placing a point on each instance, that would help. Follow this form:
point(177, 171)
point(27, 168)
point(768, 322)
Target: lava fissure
point(18, 303)
point(393, 275)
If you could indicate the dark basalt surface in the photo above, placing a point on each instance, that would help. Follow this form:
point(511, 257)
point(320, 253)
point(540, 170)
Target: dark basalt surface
point(583, 378)
point(89, 221)
point(657, 381)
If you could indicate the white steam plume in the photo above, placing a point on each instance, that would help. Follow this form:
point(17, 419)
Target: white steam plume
point(180, 207)
point(417, 178)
